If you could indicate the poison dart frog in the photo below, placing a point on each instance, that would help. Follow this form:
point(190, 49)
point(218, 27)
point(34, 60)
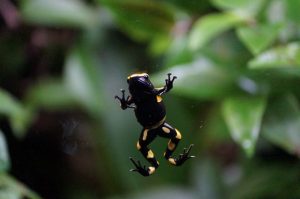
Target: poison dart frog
point(146, 100)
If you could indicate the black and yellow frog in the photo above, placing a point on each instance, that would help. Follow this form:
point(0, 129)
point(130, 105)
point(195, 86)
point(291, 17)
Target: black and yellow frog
point(150, 112)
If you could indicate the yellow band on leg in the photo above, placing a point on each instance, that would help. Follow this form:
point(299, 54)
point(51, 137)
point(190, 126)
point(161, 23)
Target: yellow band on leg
point(138, 146)
point(178, 134)
point(172, 161)
point(145, 134)
point(151, 170)
point(171, 145)
point(150, 154)
point(166, 130)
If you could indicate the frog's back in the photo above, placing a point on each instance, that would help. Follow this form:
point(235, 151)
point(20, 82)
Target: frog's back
point(150, 112)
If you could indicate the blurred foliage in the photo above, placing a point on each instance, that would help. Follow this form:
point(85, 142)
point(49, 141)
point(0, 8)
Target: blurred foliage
point(238, 68)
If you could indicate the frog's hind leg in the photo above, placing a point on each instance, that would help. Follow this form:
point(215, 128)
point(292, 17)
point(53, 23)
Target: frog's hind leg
point(146, 137)
point(175, 136)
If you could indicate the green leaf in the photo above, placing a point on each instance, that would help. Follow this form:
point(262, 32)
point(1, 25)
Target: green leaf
point(275, 12)
point(280, 57)
point(246, 7)
point(70, 13)
point(50, 94)
point(216, 128)
point(4, 156)
point(292, 10)
point(12, 189)
point(142, 20)
point(231, 4)
point(191, 7)
point(9, 194)
point(178, 53)
point(9, 105)
point(282, 123)
point(159, 45)
point(243, 117)
point(18, 115)
point(82, 79)
point(198, 79)
point(210, 26)
point(257, 38)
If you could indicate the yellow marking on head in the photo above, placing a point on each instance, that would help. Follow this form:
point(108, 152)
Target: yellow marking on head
point(145, 133)
point(151, 170)
point(137, 75)
point(172, 161)
point(171, 145)
point(138, 146)
point(158, 98)
point(178, 134)
point(166, 130)
point(150, 154)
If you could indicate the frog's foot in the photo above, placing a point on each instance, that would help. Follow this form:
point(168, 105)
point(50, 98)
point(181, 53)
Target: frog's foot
point(182, 157)
point(141, 169)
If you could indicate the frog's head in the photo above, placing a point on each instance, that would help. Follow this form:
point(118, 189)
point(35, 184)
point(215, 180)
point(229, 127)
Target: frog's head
point(139, 84)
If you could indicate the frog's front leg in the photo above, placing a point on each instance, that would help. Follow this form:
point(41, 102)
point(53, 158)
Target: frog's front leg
point(169, 82)
point(124, 103)
point(169, 85)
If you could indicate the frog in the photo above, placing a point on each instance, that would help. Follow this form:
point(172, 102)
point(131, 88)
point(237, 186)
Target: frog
point(150, 112)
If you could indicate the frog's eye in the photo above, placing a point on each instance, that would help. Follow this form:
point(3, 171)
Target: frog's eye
point(146, 76)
